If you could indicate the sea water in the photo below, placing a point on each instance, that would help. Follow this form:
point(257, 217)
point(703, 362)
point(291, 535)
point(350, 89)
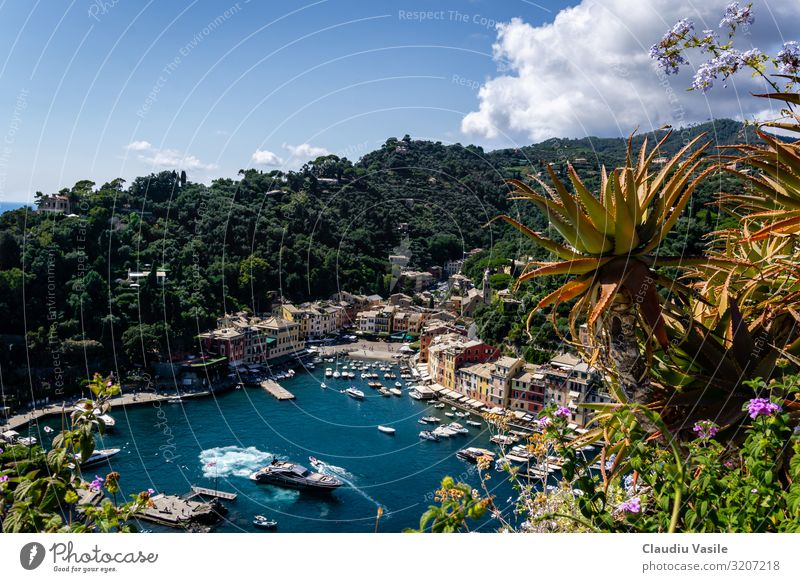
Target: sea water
point(219, 441)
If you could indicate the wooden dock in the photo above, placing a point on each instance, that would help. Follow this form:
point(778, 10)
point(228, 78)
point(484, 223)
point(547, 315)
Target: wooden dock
point(205, 492)
point(277, 390)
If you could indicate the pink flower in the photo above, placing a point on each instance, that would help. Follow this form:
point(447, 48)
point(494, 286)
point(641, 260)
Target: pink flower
point(3, 478)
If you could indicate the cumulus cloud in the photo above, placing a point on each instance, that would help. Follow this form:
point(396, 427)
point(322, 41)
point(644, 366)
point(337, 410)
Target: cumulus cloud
point(305, 151)
point(266, 158)
point(139, 146)
point(169, 158)
point(588, 72)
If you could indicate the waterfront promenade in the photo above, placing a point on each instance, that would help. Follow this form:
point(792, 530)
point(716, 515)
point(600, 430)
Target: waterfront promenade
point(134, 399)
point(365, 350)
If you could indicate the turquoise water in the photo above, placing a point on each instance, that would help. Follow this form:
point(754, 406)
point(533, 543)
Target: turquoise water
point(168, 447)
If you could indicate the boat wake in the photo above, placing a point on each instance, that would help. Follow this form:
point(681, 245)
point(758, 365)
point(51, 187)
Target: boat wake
point(232, 461)
point(347, 477)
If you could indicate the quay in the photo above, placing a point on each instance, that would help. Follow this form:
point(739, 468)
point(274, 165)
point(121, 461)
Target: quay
point(205, 492)
point(277, 390)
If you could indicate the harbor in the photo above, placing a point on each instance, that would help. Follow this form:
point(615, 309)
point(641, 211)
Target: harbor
point(206, 448)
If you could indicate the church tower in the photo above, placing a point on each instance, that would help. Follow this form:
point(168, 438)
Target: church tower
point(487, 291)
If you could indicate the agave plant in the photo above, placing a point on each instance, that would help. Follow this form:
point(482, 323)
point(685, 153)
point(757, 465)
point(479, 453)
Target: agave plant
point(774, 199)
point(608, 246)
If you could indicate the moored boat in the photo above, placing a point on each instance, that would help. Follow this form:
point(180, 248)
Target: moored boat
point(428, 436)
point(395, 391)
point(472, 454)
point(386, 429)
point(473, 423)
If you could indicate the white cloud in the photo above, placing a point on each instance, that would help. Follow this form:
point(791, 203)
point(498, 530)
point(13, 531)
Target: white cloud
point(266, 158)
point(588, 72)
point(306, 151)
point(139, 146)
point(169, 158)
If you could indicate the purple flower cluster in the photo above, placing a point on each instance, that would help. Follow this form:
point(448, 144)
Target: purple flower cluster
point(562, 412)
point(667, 52)
point(610, 461)
point(97, 484)
point(543, 422)
point(628, 482)
point(3, 478)
point(632, 505)
point(735, 16)
point(1, 451)
point(761, 407)
point(151, 491)
point(705, 429)
point(789, 58)
point(724, 65)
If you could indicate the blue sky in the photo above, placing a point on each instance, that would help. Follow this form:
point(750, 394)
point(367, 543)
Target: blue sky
point(209, 85)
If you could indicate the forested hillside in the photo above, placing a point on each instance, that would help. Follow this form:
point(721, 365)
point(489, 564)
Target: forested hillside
point(236, 243)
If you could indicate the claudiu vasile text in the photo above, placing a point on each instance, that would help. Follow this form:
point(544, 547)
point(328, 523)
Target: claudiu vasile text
point(684, 549)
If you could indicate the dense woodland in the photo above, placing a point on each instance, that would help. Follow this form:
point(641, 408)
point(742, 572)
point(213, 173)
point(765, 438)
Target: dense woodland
point(302, 235)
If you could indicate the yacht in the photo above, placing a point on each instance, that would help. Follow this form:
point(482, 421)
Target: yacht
point(395, 391)
point(428, 436)
point(354, 392)
point(444, 431)
point(386, 429)
point(433, 419)
point(450, 414)
point(294, 476)
point(337, 374)
point(97, 457)
point(384, 392)
point(473, 423)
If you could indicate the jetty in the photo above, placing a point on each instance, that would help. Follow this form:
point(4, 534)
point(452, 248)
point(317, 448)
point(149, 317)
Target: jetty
point(174, 511)
point(205, 492)
point(277, 390)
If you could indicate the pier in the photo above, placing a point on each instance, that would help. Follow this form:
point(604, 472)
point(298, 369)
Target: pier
point(277, 390)
point(205, 492)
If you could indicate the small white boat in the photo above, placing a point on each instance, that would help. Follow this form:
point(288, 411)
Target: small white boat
point(176, 400)
point(473, 423)
point(262, 522)
point(440, 405)
point(453, 408)
point(28, 441)
point(323, 385)
point(462, 414)
point(432, 419)
point(398, 384)
point(386, 429)
point(395, 391)
point(450, 414)
point(48, 430)
point(384, 392)
point(337, 374)
point(354, 392)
